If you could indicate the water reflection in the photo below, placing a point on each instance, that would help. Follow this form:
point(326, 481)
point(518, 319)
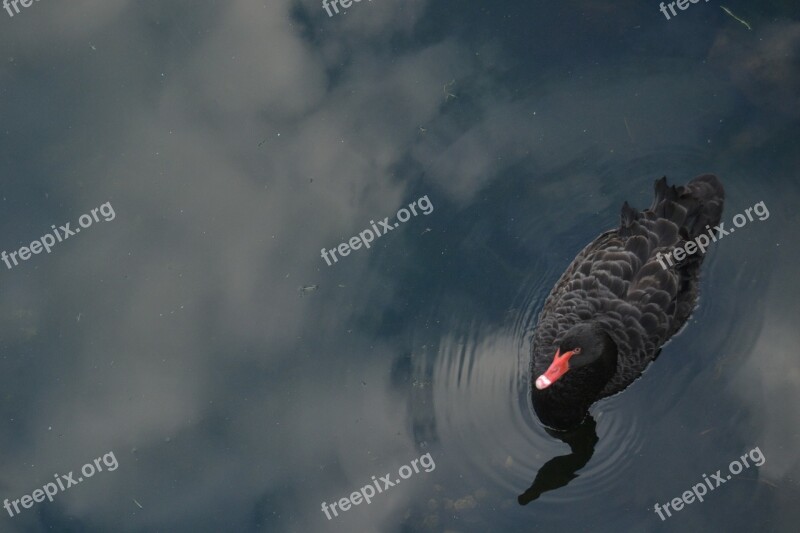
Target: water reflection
point(559, 471)
point(236, 139)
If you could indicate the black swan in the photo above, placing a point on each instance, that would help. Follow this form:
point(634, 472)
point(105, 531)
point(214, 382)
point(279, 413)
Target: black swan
point(618, 302)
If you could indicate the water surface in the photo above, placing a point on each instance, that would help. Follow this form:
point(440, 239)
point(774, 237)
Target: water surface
point(241, 381)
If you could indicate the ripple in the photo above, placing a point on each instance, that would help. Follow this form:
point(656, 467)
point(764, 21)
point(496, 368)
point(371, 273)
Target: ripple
point(479, 394)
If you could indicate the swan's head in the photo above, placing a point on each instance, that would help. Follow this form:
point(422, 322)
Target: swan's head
point(585, 345)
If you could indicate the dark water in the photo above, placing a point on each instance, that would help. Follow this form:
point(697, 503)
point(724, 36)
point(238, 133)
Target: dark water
point(237, 381)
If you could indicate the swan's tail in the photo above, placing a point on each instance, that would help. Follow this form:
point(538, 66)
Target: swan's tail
point(691, 207)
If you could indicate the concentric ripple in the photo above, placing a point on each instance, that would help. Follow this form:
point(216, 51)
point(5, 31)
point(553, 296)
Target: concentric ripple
point(479, 392)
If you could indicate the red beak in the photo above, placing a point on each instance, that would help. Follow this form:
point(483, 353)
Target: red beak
point(557, 369)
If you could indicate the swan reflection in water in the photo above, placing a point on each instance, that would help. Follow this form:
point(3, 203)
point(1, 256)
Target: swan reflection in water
point(559, 471)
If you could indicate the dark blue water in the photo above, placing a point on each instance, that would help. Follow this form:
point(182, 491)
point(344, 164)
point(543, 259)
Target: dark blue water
point(228, 379)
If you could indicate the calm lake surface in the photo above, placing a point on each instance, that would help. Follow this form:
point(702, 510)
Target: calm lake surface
point(227, 376)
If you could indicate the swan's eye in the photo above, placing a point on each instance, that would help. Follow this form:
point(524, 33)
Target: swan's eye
point(577, 350)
